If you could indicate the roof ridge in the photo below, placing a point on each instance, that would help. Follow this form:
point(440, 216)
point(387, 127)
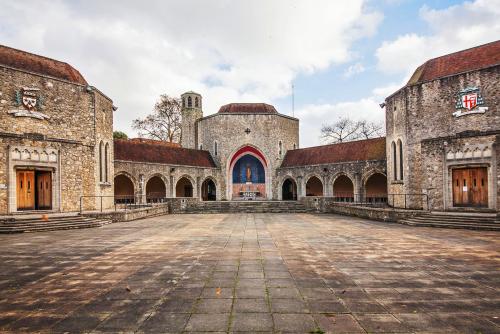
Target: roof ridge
point(36, 54)
point(463, 50)
point(344, 142)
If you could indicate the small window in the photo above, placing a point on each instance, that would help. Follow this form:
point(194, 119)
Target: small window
point(400, 144)
point(294, 146)
point(215, 148)
point(201, 146)
point(190, 102)
point(394, 161)
point(280, 148)
point(183, 102)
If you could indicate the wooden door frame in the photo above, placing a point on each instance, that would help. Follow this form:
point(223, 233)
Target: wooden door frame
point(13, 206)
point(449, 186)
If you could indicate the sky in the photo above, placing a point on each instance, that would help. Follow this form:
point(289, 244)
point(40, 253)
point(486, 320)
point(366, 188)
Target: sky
point(343, 57)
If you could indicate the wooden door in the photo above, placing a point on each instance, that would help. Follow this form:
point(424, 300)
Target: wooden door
point(470, 187)
point(25, 190)
point(44, 190)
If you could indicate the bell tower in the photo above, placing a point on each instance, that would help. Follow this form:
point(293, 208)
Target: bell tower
point(191, 112)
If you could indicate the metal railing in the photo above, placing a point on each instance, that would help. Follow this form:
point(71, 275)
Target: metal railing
point(402, 200)
point(119, 202)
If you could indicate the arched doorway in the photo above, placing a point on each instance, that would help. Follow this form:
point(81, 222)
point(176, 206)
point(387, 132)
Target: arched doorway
point(247, 175)
point(184, 188)
point(208, 190)
point(289, 190)
point(376, 188)
point(314, 187)
point(155, 189)
point(343, 189)
point(124, 189)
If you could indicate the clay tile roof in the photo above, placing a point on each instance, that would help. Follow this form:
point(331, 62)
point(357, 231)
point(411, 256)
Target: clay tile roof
point(146, 151)
point(248, 108)
point(459, 62)
point(359, 150)
point(30, 62)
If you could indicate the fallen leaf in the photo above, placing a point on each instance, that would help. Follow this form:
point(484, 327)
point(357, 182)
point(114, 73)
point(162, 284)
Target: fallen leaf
point(218, 291)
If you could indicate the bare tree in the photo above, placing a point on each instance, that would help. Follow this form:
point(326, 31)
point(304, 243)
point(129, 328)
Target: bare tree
point(165, 121)
point(370, 129)
point(342, 130)
point(345, 129)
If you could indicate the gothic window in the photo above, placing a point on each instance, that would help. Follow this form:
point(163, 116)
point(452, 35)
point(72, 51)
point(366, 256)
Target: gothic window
point(400, 146)
point(101, 163)
point(215, 148)
point(196, 102)
point(280, 148)
point(190, 102)
point(106, 162)
point(394, 161)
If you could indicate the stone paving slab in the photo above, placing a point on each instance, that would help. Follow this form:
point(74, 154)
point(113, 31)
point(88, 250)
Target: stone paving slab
point(251, 273)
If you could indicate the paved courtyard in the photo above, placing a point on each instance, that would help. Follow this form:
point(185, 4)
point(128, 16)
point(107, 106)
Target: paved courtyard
point(297, 273)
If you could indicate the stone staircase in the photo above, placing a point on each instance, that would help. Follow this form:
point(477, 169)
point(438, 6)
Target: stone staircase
point(35, 223)
point(473, 221)
point(248, 207)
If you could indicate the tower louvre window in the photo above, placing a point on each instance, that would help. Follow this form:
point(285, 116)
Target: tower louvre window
point(196, 104)
point(190, 102)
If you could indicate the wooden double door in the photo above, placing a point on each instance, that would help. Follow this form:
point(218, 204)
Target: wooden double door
point(34, 190)
point(470, 187)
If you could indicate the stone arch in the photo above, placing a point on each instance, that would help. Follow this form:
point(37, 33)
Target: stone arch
point(314, 186)
point(156, 188)
point(124, 188)
point(233, 190)
point(208, 189)
point(375, 187)
point(343, 188)
point(288, 189)
point(184, 186)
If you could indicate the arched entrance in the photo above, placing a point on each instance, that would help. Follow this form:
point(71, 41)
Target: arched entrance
point(208, 190)
point(376, 188)
point(314, 187)
point(184, 188)
point(289, 190)
point(247, 174)
point(343, 189)
point(124, 189)
point(155, 189)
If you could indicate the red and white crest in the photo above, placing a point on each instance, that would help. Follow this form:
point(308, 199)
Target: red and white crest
point(469, 101)
point(29, 98)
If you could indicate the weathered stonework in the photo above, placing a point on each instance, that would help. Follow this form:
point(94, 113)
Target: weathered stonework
point(80, 117)
point(421, 116)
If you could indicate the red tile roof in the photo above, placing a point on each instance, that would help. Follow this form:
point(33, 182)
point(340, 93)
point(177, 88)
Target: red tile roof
point(139, 151)
point(459, 62)
point(248, 108)
point(359, 150)
point(30, 62)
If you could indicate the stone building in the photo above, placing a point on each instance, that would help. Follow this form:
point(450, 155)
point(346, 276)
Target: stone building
point(246, 151)
point(56, 136)
point(443, 132)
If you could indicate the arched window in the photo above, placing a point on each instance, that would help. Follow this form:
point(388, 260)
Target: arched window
point(196, 102)
point(190, 102)
point(106, 162)
point(216, 149)
point(101, 162)
point(183, 102)
point(280, 148)
point(394, 161)
point(400, 151)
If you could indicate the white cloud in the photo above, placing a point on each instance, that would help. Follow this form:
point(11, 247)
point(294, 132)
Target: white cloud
point(354, 69)
point(228, 51)
point(312, 117)
point(452, 29)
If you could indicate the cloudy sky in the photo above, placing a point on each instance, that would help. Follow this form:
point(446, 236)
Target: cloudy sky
point(343, 57)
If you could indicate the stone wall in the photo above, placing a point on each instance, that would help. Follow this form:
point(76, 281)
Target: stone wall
point(265, 133)
point(358, 172)
point(425, 111)
point(140, 173)
point(65, 120)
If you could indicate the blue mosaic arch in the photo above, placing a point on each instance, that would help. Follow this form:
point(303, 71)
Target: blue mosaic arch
point(248, 162)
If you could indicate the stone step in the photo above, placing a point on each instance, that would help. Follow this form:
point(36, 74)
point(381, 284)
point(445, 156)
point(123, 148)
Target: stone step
point(248, 207)
point(22, 226)
point(470, 226)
